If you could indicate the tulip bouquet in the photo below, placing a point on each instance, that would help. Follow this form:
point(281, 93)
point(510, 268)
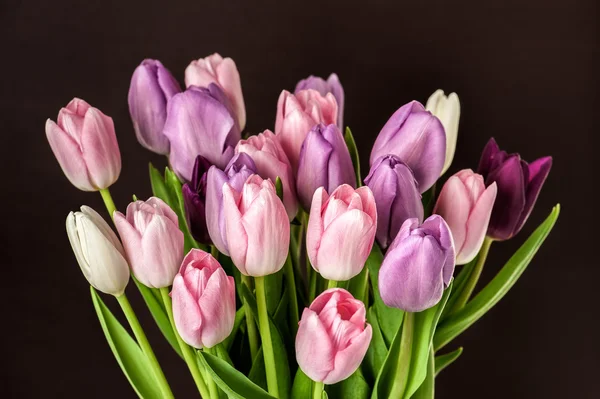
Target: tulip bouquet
point(270, 266)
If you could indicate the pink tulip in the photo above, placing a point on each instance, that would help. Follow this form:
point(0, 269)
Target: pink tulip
point(466, 205)
point(298, 114)
point(84, 142)
point(341, 231)
point(203, 300)
point(257, 227)
point(223, 72)
point(152, 240)
point(332, 337)
point(271, 162)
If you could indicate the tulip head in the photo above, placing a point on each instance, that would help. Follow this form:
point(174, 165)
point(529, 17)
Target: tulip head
point(194, 200)
point(333, 337)
point(84, 142)
point(447, 109)
point(331, 85)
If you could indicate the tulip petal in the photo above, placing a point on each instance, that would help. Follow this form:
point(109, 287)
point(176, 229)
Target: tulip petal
point(455, 212)
point(100, 148)
point(538, 172)
point(186, 313)
point(476, 226)
point(216, 304)
point(215, 219)
point(162, 248)
point(314, 229)
point(237, 238)
point(349, 359)
point(314, 350)
point(313, 166)
point(487, 156)
point(229, 79)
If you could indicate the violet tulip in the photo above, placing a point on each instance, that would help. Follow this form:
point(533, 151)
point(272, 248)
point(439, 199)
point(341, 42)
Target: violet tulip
point(333, 337)
point(341, 231)
point(447, 109)
point(418, 265)
point(257, 227)
point(203, 301)
point(331, 85)
point(519, 184)
point(416, 137)
point(152, 240)
point(194, 199)
point(84, 143)
point(324, 162)
point(396, 195)
point(271, 162)
point(152, 85)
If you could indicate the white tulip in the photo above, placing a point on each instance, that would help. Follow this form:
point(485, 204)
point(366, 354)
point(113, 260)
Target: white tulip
point(447, 109)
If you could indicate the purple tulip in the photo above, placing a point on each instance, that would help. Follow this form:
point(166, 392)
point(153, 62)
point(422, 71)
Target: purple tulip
point(194, 198)
point(236, 173)
point(396, 196)
point(324, 162)
point(519, 185)
point(418, 265)
point(152, 85)
point(331, 85)
point(417, 137)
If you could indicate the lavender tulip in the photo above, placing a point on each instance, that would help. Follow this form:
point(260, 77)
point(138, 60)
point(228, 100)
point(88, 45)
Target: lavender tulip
point(331, 85)
point(396, 195)
point(519, 185)
point(194, 198)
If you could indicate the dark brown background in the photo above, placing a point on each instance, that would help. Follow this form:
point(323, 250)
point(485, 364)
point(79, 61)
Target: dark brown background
point(526, 73)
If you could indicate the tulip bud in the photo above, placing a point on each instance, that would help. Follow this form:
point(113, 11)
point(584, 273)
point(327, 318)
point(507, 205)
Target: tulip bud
point(297, 114)
point(418, 139)
point(396, 195)
point(257, 227)
point(418, 265)
point(84, 143)
point(152, 240)
point(331, 85)
point(236, 173)
point(333, 337)
point(203, 301)
point(152, 85)
point(519, 185)
point(324, 162)
point(98, 251)
point(199, 123)
point(447, 109)
point(466, 205)
point(194, 199)
point(341, 230)
point(224, 73)
point(271, 162)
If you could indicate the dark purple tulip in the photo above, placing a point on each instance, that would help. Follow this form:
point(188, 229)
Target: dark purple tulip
point(194, 198)
point(324, 162)
point(519, 185)
point(396, 195)
point(417, 137)
point(152, 85)
point(236, 173)
point(331, 85)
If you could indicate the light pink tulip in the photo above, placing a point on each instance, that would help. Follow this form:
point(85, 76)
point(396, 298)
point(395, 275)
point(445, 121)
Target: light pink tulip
point(257, 227)
point(84, 142)
point(298, 114)
point(332, 337)
point(222, 71)
point(203, 300)
point(152, 240)
point(341, 231)
point(271, 162)
point(466, 205)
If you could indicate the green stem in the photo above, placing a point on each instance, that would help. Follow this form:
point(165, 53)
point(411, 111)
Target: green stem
point(265, 335)
point(108, 201)
point(469, 287)
point(288, 270)
point(140, 336)
point(331, 284)
point(318, 388)
point(188, 353)
point(312, 291)
point(365, 295)
point(214, 252)
point(212, 387)
point(403, 365)
point(250, 323)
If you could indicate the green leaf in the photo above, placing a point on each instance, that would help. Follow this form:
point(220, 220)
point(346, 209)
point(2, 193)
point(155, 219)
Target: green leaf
point(428, 200)
point(377, 349)
point(358, 285)
point(443, 361)
point(498, 287)
point(354, 387)
point(274, 289)
point(427, 389)
point(279, 188)
point(240, 315)
point(303, 386)
point(351, 144)
point(458, 286)
point(134, 364)
point(258, 374)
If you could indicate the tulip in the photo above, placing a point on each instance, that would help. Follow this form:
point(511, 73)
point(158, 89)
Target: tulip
point(418, 265)
point(194, 200)
point(98, 251)
point(331, 85)
point(257, 227)
point(84, 143)
point(466, 205)
point(152, 85)
point(297, 114)
point(396, 195)
point(203, 301)
point(223, 72)
point(236, 173)
point(324, 162)
point(333, 337)
point(418, 139)
point(271, 162)
point(199, 123)
point(341, 230)
point(519, 185)
point(152, 240)
point(447, 109)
